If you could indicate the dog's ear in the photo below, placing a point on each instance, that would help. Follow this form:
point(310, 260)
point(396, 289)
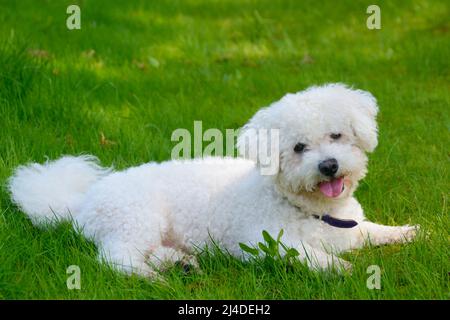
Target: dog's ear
point(259, 141)
point(247, 141)
point(363, 120)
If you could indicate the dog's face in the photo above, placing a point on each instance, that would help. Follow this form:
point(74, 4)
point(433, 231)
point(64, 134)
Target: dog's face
point(324, 133)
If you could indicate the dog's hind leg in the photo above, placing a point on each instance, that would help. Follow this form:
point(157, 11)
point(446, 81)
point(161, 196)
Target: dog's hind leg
point(149, 263)
point(164, 257)
point(127, 260)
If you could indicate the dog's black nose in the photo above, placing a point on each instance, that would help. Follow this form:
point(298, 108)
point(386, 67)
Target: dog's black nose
point(329, 167)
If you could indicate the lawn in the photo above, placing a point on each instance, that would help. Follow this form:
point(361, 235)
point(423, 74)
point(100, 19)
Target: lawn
point(138, 70)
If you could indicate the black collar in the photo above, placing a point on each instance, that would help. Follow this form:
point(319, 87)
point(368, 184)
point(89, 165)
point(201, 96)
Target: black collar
point(335, 222)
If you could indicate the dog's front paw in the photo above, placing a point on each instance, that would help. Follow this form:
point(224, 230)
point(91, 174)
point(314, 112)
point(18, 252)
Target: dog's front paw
point(330, 263)
point(344, 267)
point(408, 233)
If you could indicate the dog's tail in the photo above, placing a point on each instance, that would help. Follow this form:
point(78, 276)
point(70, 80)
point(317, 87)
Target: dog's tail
point(55, 189)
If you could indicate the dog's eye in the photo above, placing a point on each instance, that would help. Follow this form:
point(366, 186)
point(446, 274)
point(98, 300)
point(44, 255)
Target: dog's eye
point(335, 136)
point(299, 147)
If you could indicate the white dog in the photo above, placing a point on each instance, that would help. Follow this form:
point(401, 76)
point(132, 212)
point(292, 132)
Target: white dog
point(156, 213)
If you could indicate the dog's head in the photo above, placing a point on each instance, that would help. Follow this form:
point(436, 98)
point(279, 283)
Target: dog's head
point(324, 134)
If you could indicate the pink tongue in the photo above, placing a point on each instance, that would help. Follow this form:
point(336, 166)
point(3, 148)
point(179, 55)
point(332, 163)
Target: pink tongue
point(332, 188)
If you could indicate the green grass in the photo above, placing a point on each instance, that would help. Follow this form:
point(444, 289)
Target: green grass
point(137, 70)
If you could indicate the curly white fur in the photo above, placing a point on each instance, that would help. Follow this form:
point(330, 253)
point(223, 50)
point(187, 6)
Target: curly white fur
point(156, 213)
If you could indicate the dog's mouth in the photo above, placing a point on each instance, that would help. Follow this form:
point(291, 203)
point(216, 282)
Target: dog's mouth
point(332, 188)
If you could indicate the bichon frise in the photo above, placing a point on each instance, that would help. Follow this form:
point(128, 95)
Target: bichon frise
point(155, 213)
